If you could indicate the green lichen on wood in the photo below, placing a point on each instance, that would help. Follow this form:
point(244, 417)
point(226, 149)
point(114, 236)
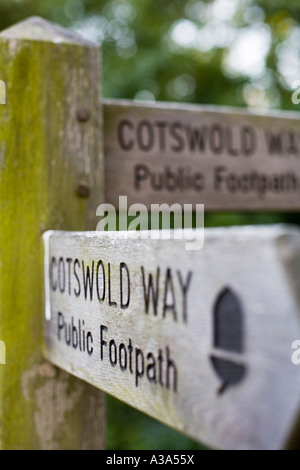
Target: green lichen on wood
point(44, 150)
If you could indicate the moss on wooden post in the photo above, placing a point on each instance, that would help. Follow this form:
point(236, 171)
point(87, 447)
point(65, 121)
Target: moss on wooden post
point(50, 178)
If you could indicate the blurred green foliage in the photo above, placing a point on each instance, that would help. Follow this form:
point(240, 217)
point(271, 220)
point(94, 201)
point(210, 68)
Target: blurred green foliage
point(184, 50)
point(224, 52)
point(128, 429)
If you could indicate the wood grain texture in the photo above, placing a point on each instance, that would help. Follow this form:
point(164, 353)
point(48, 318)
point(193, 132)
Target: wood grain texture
point(200, 340)
point(227, 159)
point(49, 160)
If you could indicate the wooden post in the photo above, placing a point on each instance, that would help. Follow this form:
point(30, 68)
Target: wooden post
point(50, 178)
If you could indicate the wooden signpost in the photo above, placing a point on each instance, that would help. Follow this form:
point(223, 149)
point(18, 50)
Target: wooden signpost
point(226, 159)
point(199, 340)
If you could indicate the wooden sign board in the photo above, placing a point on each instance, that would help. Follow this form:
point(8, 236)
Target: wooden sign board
point(198, 340)
point(226, 159)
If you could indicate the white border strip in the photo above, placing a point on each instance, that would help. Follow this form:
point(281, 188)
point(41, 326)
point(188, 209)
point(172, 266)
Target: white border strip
point(46, 238)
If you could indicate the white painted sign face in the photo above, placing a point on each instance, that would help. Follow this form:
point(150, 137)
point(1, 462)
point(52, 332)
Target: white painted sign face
point(198, 340)
point(224, 158)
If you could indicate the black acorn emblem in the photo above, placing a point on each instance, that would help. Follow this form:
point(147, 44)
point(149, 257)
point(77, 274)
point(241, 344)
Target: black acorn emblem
point(228, 330)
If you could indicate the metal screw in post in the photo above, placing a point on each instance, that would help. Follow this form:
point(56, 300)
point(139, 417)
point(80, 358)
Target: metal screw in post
point(83, 190)
point(83, 114)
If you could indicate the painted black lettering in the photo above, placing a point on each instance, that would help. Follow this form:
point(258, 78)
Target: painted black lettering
point(125, 140)
point(130, 349)
point(77, 263)
point(61, 275)
point(196, 138)
point(69, 261)
point(171, 370)
point(175, 129)
point(216, 139)
point(145, 135)
point(292, 146)
point(89, 342)
point(274, 142)
point(248, 140)
point(151, 368)
point(113, 352)
point(150, 290)
point(160, 367)
point(141, 173)
point(230, 143)
point(162, 134)
point(124, 303)
point(123, 357)
point(101, 296)
point(111, 303)
point(60, 324)
point(169, 296)
point(139, 365)
point(184, 289)
point(88, 280)
point(102, 342)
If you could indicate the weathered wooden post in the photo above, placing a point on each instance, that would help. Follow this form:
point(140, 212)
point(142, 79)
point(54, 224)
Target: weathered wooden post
point(50, 178)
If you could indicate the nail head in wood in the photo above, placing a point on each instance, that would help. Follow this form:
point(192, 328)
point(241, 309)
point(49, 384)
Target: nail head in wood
point(83, 114)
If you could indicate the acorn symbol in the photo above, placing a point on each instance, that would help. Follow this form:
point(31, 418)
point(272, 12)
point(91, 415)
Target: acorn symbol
point(228, 338)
